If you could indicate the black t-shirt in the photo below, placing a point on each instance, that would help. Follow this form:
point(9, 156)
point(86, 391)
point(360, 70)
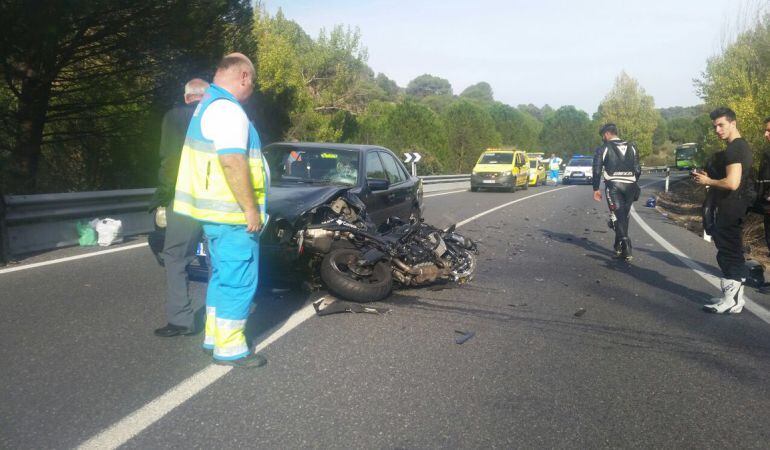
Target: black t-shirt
point(732, 202)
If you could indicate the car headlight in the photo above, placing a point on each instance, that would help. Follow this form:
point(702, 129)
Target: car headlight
point(507, 173)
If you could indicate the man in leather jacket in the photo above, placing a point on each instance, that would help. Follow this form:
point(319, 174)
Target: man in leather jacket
point(617, 163)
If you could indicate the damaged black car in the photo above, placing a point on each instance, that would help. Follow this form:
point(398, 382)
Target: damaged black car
point(349, 217)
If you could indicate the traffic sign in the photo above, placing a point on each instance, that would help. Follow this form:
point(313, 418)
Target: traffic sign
point(413, 158)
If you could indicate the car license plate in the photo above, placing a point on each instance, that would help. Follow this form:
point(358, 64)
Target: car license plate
point(488, 181)
point(577, 174)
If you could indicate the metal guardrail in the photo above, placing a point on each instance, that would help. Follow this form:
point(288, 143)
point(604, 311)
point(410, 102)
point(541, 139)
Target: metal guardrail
point(31, 223)
point(438, 179)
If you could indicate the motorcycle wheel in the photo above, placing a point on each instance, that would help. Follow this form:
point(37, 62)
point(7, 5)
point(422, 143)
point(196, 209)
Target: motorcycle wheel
point(337, 271)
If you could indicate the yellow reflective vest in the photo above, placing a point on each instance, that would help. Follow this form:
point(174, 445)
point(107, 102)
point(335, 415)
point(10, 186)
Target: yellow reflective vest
point(202, 191)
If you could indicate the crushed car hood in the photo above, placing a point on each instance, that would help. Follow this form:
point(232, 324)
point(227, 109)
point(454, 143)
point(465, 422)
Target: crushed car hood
point(289, 201)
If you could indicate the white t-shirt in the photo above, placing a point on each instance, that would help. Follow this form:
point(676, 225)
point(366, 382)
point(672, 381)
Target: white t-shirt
point(226, 124)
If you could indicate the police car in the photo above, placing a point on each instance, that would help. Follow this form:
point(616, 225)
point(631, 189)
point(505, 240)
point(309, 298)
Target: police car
point(579, 170)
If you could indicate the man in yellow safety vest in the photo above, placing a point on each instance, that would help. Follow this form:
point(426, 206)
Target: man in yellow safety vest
point(223, 183)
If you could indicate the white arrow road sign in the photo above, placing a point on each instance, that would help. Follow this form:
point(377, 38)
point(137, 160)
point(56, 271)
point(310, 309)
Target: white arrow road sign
point(412, 157)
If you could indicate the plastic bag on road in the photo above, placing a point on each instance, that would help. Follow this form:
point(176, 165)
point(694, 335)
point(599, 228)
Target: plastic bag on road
point(86, 234)
point(110, 231)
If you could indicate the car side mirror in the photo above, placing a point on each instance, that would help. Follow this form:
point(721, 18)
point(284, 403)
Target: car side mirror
point(377, 184)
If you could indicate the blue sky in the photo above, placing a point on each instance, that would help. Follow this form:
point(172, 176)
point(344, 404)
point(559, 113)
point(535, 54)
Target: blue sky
point(547, 51)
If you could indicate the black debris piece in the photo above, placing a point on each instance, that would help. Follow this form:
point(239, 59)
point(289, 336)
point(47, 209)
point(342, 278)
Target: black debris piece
point(580, 312)
point(464, 336)
point(329, 305)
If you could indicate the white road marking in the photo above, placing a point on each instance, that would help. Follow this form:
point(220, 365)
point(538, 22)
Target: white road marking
point(122, 431)
point(444, 193)
point(758, 310)
point(71, 258)
point(133, 424)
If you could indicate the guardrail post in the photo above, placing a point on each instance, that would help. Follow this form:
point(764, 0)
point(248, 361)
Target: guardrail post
point(668, 175)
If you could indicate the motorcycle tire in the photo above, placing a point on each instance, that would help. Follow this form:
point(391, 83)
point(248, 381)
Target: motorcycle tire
point(350, 286)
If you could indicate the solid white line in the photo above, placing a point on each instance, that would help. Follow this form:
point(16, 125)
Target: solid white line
point(133, 424)
point(470, 219)
point(122, 431)
point(71, 258)
point(444, 193)
point(758, 310)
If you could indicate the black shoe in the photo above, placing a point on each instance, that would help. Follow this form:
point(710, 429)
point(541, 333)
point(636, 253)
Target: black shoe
point(247, 362)
point(625, 247)
point(171, 330)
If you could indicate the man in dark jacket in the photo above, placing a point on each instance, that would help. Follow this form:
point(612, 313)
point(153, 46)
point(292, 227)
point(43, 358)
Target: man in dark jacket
point(182, 232)
point(617, 163)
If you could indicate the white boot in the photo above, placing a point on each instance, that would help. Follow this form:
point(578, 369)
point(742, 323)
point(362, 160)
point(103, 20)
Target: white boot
point(739, 301)
point(730, 290)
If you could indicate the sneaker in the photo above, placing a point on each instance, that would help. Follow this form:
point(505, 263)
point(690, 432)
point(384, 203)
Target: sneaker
point(247, 362)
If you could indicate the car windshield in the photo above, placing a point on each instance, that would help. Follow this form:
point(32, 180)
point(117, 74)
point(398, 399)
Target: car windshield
point(533, 164)
point(313, 165)
point(496, 158)
point(582, 162)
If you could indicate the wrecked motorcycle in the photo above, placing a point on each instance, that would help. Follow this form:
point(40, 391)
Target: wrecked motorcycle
point(360, 263)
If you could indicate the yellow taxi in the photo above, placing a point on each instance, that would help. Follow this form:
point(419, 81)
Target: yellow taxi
point(501, 169)
point(537, 173)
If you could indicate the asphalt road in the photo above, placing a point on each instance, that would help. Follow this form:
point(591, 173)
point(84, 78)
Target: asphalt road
point(642, 366)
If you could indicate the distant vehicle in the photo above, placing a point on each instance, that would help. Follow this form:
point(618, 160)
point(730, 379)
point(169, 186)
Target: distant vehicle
point(579, 170)
point(537, 173)
point(686, 156)
point(501, 168)
point(540, 156)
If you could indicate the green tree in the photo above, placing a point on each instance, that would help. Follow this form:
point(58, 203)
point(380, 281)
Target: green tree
point(426, 85)
point(632, 110)
point(470, 130)
point(516, 128)
point(88, 78)
point(414, 127)
point(568, 130)
point(389, 87)
point(480, 91)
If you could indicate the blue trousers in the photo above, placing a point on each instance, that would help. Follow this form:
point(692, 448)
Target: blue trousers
point(234, 277)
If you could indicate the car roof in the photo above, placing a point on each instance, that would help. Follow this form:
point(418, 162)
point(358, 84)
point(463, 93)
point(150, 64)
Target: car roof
point(328, 145)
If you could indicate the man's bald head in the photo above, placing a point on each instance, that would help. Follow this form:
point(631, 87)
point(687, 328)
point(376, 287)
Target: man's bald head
point(194, 89)
point(236, 74)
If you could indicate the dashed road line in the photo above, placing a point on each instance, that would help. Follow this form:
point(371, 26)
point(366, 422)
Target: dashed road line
point(136, 422)
point(752, 306)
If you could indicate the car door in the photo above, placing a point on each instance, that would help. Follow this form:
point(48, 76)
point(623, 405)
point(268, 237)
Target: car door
point(517, 168)
point(375, 201)
point(399, 195)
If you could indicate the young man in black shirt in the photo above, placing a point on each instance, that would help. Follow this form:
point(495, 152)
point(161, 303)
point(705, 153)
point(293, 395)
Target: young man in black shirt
point(730, 194)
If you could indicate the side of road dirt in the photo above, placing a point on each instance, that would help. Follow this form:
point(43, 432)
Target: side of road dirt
point(682, 204)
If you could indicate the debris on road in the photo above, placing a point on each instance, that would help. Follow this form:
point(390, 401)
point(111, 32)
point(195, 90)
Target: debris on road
point(329, 305)
point(580, 312)
point(650, 202)
point(539, 279)
point(465, 336)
